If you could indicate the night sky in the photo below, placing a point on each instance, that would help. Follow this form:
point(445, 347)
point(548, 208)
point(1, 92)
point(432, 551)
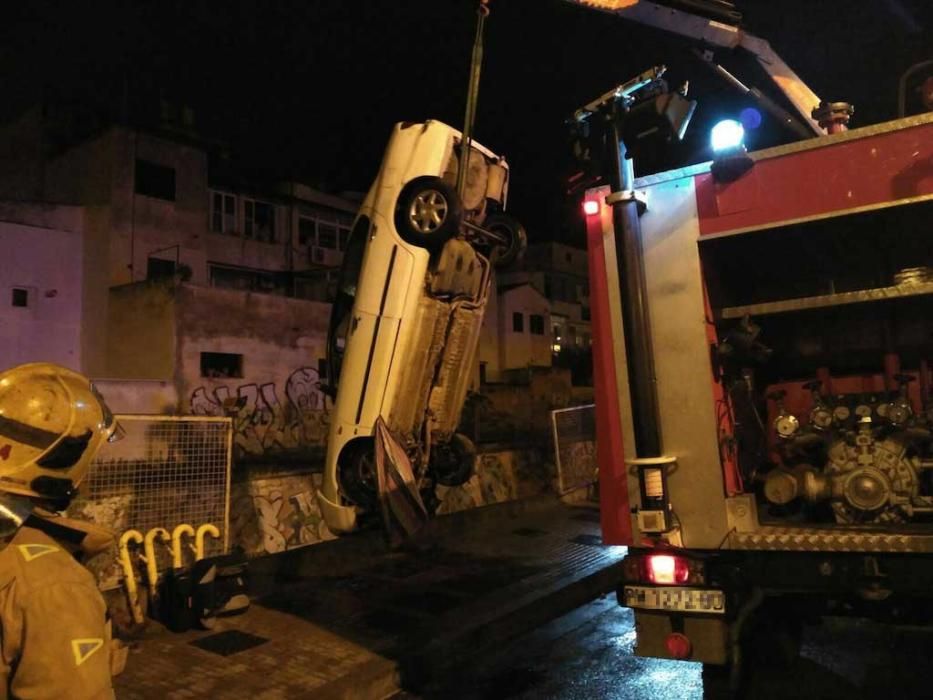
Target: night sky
point(310, 89)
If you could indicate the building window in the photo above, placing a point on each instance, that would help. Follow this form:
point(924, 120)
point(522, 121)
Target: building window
point(153, 180)
point(219, 365)
point(223, 212)
point(536, 324)
point(306, 232)
point(585, 313)
point(259, 221)
point(518, 322)
point(156, 268)
point(327, 236)
point(344, 237)
point(568, 257)
point(20, 297)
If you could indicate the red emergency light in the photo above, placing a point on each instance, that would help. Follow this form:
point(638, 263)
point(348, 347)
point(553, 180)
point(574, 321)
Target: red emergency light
point(591, 207)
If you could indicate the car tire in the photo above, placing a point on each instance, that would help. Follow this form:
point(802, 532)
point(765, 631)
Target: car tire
point(453, 463)
point(428, 212)
point(356, 473)
point(505, 225)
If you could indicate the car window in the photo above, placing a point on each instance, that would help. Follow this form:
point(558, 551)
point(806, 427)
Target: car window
point(346, 293)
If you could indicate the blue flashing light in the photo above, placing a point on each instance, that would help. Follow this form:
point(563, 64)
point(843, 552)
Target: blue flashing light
point(727, 135)
point(750, 118)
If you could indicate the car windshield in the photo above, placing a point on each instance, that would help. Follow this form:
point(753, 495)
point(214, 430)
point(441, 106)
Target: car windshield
point(346, 293)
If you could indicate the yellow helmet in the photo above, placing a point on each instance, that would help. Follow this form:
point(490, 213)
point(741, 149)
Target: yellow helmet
point(52, 423)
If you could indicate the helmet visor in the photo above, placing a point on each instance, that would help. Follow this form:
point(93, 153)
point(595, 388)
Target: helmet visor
point(115, 430)
point(118, 433)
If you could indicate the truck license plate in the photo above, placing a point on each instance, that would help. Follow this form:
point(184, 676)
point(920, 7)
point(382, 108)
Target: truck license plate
point(680, 599)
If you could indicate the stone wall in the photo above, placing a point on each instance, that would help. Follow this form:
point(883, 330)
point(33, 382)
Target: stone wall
point(277, 512)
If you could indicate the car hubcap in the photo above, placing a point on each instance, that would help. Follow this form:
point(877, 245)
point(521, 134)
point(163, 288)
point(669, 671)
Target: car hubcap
point(428, 211)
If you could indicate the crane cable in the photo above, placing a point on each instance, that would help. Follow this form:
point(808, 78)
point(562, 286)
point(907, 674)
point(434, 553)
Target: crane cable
point(476, 65)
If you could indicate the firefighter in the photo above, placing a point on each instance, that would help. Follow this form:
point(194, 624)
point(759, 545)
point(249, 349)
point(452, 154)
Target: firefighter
point(54, 635)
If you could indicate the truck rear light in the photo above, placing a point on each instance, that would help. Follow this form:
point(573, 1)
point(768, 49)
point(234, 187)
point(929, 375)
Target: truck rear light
point(590, 207)
point(678, 645)
point(663, 569)
point(667, 569)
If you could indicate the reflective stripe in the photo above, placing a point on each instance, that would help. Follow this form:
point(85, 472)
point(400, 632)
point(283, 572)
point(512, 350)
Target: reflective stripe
point(34, 551)
point(26, 434)
point(85, 648)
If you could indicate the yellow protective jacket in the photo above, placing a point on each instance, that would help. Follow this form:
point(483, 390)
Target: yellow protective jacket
point(54, 635)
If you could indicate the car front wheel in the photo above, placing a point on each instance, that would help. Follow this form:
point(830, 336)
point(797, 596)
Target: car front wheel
point(428, 212)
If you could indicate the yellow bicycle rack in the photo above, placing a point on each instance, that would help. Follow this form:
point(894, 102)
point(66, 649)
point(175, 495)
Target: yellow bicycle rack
point(176, 539)
point(206, 529)
point(178, 554)
point(129, 573)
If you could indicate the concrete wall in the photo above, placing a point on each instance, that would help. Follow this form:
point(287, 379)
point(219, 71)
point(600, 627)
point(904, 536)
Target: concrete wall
point(141, 331)
point(487, 351)
point(142, 226)
point(45, 260)
point(278, 409)
point(139, 396)
point(524, 349)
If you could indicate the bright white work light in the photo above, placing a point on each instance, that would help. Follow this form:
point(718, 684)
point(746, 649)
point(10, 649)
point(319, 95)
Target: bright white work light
point(727, 135)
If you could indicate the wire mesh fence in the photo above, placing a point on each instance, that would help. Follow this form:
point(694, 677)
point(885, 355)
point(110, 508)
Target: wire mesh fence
point(166, 471)
point(574, 431)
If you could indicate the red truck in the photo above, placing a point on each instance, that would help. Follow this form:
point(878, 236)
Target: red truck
point(763, 361)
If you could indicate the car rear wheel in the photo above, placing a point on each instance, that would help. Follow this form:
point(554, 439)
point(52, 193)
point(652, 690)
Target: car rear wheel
point(428, 212)
point(514, 237)
point(356, 472)
point(452, 463)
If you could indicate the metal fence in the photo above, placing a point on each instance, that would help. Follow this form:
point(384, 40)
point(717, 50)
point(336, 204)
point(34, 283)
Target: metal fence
point(574, 431)
point(166, 471)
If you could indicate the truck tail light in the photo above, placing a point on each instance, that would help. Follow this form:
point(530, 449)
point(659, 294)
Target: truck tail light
point(667, 569)
point(590, 207)
point(663, 569)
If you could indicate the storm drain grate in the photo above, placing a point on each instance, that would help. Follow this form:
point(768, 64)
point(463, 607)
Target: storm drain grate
point(529, 532)
point(229, 642)
point(588, 540)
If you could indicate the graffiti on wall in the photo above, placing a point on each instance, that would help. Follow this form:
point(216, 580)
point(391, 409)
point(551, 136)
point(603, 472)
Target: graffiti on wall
point(492, 482)
point(264, 424)
point(275, 514)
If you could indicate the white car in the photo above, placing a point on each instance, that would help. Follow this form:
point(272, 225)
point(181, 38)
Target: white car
point(406, 321)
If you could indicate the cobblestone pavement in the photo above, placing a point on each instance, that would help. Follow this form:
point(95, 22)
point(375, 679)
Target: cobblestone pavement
point(349, 619)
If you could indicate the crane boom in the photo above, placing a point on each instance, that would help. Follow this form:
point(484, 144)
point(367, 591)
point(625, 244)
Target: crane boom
point(717, 33)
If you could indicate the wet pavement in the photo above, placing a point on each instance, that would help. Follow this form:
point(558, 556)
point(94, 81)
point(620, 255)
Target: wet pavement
point(589, 654)
point(350, 619)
